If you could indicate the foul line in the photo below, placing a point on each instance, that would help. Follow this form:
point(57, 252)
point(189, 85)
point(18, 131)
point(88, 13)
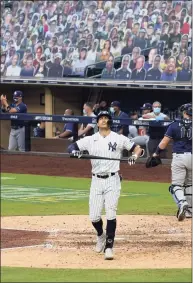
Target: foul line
point(26, 229)
point(13, 248)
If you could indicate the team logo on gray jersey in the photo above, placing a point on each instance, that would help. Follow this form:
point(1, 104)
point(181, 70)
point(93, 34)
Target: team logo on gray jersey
point(186, 133)
point(112, 147)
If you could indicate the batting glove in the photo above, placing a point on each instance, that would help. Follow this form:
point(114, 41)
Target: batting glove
point(132, 159)
point(77, 153)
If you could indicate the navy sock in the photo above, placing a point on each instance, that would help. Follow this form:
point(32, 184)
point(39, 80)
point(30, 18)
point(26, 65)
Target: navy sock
point(111, 228)
point(98, 227)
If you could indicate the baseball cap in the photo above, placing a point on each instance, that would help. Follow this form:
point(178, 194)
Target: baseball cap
point(116, 103)
point(147, 106)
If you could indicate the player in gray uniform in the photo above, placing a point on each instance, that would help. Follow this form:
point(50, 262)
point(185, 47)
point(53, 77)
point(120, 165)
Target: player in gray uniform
point(105, 185)
point(180, 132)
point(17, 134)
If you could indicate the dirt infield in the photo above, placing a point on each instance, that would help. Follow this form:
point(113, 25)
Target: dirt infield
point(11, 238)
point(67, 167)
point(141, 242)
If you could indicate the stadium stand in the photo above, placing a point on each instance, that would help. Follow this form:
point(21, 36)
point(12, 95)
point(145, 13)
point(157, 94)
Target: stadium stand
point(76, 38)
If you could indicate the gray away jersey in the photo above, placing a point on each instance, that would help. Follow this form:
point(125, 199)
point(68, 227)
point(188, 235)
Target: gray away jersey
point(110, 146)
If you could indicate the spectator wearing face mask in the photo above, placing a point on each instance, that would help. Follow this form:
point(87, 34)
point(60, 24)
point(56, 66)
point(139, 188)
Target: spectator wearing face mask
point(155, 133)
point(116, 112)
point(156, 114)
point(88, 129)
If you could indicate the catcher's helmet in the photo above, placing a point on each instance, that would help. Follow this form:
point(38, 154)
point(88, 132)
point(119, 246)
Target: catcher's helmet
point(105, 113)
point(187, 108)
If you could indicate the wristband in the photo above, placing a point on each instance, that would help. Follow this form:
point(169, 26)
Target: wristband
point(8, 108)
point(158, 150)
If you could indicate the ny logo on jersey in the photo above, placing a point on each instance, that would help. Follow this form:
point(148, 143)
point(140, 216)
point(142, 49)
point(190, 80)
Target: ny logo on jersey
point(112, 147)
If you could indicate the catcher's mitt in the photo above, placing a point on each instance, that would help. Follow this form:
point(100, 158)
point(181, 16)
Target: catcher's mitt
point(153, 161)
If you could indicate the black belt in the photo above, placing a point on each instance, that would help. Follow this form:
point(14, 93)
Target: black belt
point(104, 176)
point(16, 127)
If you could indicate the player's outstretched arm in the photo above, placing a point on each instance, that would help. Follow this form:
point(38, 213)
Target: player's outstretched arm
point(137, 152)
point(155, 160)
point(162, 145)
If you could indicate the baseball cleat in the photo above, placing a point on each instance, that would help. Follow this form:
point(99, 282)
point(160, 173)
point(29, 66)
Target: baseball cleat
point(181, 212)
point(109, 254)
point(100, 245)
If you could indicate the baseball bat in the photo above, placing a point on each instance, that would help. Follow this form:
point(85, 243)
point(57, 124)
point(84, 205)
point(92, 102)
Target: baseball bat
point(58, 154)
point(88, 156)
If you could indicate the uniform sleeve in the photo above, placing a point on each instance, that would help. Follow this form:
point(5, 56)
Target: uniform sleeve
point(170, 132)
point(69, 127)
point(84, 143)
point(127, 143)
point(21, 108)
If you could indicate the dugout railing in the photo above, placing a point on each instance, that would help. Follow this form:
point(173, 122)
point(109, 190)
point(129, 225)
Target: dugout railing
point(31, 118)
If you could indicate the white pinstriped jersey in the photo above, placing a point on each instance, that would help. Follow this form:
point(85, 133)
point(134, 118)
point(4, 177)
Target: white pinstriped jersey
point(110, 146)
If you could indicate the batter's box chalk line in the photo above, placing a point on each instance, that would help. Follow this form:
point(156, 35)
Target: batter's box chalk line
point(28, 229)
point(24, 247)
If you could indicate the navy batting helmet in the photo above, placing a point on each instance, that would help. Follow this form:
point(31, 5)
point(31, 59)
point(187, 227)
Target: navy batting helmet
point(16, 95)
point(106, 114)
point(187, 108)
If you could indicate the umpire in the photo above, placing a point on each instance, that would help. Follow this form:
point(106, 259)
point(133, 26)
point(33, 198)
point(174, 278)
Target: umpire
point(17, 134)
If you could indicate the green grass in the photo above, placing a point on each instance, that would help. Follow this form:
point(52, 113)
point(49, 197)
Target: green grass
point(9, 274)
point(153, 198)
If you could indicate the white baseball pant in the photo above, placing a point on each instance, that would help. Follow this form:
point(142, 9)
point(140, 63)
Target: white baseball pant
point(104, 193)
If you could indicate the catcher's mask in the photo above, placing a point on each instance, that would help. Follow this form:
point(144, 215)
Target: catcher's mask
point(106, 114)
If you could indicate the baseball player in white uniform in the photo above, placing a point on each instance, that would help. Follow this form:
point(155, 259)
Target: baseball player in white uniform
point(106, 185)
